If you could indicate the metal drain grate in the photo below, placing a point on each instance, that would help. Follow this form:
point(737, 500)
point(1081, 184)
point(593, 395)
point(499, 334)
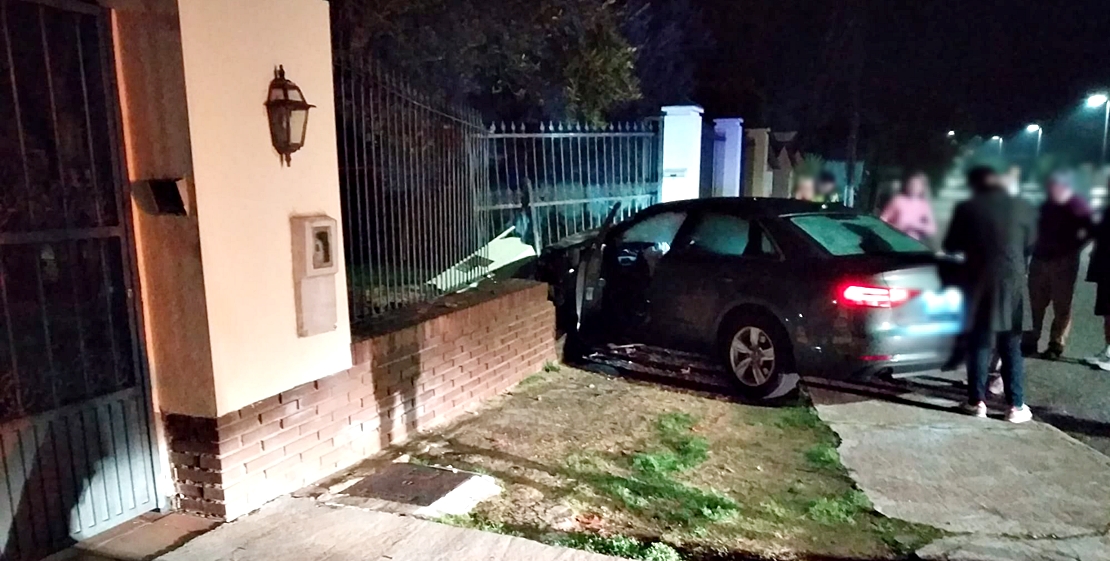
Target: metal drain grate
point(408, 484)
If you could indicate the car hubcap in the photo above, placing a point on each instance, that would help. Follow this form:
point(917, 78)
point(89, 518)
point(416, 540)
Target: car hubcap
point(752, 356)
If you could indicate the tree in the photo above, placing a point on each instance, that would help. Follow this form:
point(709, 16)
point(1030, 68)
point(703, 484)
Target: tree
point(511, 59)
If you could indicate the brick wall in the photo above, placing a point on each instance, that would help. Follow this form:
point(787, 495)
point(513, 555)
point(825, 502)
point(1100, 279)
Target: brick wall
point(475, 346)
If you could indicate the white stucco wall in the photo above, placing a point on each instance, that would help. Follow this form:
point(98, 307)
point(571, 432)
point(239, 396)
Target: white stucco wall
point(681, 153)
point(245, 197)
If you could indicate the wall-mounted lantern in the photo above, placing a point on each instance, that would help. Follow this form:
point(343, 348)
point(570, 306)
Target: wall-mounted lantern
point(288, 113)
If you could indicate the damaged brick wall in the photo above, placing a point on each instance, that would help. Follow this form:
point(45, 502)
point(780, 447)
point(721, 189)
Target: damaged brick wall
point(408, 379)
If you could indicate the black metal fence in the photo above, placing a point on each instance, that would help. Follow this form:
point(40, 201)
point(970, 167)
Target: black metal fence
point(552, 180)
point(412, 170)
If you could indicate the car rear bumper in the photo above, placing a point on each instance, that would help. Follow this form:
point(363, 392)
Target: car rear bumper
point(873, 355)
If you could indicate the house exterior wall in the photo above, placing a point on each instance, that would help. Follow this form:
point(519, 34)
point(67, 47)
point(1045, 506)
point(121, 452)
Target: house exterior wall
point(245, 197)
point(155, 123)
point(407, 380)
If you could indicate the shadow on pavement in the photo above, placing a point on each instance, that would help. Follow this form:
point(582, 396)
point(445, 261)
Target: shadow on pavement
point(1070, 424)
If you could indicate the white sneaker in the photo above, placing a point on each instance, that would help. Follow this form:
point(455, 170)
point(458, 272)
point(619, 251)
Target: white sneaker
point(1099, 359)
point(1019, 414)
point(975, 409)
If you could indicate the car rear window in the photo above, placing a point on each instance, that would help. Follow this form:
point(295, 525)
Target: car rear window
point(850, 234)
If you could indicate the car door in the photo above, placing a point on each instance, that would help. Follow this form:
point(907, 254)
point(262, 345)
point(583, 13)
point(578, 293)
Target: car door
point(721, 259)
point(589, 285)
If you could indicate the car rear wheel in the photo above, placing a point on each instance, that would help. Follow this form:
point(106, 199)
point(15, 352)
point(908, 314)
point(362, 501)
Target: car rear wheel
point(756, 354)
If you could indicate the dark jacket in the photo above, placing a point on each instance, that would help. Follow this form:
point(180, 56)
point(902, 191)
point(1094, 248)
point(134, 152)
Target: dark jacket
point(1062, 229)
point(996, 234)
point(1099, 268)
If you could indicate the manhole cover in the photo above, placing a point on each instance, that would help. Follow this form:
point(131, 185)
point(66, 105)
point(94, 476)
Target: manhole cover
point(409, 484)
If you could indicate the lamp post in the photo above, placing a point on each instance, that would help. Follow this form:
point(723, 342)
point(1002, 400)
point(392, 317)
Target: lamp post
point(1035, 128)
point(1000, 143)
point(1102, 100)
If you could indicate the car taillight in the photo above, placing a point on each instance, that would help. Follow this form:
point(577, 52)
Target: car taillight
point(866, 296)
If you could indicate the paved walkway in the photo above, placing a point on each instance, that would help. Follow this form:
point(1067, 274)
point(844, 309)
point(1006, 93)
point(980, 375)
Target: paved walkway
point(300, 529)
point(1008, 492)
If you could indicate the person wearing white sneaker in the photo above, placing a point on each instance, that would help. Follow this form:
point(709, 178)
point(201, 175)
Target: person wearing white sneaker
point(995, 232)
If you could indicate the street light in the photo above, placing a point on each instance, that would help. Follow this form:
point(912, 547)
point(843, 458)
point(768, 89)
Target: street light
point(1035, 128)
point(951, 134)
point(1101, 100)
point(1000, 142)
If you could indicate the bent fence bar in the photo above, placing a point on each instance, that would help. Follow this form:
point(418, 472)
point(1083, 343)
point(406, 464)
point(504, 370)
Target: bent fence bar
point(412, 170)
point(553, 180)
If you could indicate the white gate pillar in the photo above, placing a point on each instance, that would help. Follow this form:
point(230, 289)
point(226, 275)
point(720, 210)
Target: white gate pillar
point(681, 152)
point(731, 163)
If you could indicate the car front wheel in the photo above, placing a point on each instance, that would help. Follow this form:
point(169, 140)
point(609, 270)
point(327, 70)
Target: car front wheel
point(756, 353)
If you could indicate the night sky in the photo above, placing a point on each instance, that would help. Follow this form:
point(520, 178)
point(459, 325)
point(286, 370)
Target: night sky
point(985, 65)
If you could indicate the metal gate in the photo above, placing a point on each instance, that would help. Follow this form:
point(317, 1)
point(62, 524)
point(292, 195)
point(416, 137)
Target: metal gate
point(75, 439)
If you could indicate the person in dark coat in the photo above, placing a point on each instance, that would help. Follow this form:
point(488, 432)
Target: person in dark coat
point(996, 233)
point(1098, 272)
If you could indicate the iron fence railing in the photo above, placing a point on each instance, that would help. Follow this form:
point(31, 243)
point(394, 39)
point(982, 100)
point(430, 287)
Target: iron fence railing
point(554, 180)
point(412, 170)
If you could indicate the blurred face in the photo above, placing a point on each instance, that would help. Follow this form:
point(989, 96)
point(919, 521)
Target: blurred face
point(917, 186)
point(1059, 192)
point(804, 189)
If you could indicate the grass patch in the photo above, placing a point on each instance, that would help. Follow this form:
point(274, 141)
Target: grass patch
point(664, 499)
point(532, 380)
point(551, 367)
point(615, 545)
point(824, 456)
point(682, 449)
point(619, 546)
point(839, 510)
point(798, 417)
point(651, 489)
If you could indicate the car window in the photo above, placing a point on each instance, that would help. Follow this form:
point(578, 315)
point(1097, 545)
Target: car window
point(656, 230)
point(848, 234)
point(725, 234)
point(721, 234)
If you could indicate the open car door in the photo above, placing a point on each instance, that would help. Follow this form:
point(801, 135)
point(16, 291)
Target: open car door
point(589, 285)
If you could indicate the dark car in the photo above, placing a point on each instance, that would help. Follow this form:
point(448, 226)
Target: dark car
point(767, 286)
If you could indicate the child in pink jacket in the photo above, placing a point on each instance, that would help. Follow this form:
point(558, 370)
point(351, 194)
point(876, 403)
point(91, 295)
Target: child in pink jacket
point(909, 211)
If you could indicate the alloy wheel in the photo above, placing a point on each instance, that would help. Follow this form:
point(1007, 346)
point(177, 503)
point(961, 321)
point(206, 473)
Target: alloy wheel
point(752, 356)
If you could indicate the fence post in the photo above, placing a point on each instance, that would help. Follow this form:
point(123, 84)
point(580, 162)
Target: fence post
point(731, 164)
point(681, 152)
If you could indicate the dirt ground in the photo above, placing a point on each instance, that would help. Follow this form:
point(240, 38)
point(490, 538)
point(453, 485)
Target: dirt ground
point(584, 456)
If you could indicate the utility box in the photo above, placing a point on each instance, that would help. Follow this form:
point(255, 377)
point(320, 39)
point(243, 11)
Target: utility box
point(315, 264)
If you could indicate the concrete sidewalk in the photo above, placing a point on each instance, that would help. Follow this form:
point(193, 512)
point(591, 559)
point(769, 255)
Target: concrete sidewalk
point(300, 529)
point(1008, 492)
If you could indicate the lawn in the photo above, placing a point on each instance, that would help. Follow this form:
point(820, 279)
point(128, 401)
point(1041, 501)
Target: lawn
point(650, 472)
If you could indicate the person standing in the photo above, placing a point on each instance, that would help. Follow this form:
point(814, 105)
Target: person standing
point(804, 189)
point(995, 232)
point(1063, 227)
point(909, 211)
point(1098, 272)
point(827, 191)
